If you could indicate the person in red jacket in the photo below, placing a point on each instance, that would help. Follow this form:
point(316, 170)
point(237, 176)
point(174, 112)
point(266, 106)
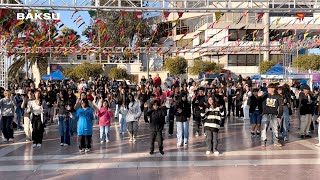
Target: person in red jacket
point(157, 81)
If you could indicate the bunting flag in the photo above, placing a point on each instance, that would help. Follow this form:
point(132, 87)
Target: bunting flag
point(278, 20)
point(259, 17)
point(218, 15)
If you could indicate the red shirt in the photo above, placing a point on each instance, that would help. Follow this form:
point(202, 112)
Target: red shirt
point(157, 81)
point(90, 98)
point(104, 116)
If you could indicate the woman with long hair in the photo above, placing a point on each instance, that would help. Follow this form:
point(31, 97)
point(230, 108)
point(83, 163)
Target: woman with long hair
point(132, 118)
point(64, 125)
point(7, 109)
point(26, 116)
point(212, 115)
point(37, 108)
point(183, 113)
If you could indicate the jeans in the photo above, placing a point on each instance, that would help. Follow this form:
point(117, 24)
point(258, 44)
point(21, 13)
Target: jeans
point(116, 113)
point(212, 140)
point(182, 132)
point(132, 128)
point(305, 124)
point(19, 112)
point(255, 117)
point(105, 133)
point(64, 129)
point(6, 126)
point(285, 122)
point(269, 119)
point(122, 123)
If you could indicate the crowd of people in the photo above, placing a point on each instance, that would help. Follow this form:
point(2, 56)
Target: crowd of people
point(75, 104)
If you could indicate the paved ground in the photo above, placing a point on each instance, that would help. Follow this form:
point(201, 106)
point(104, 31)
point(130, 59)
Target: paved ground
point(241, 157)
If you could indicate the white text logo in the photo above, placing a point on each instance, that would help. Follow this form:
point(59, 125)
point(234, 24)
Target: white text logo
point(38, 16)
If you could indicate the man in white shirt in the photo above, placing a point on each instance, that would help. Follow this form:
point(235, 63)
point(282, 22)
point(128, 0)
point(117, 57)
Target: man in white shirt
point(204, 82)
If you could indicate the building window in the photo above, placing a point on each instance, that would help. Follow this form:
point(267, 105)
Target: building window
point(246, 34)
point(244, 59)
point(84, 57)
point(78, 57)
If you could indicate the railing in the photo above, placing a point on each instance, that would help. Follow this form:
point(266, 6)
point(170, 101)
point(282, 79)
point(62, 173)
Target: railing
point(202, 22)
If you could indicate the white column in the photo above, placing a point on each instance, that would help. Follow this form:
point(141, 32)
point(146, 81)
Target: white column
point(266, 31)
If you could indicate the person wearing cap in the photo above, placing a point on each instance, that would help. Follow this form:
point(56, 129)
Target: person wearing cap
point(271, 115)
point(199, 100)
point(18, 98)
point(157, 120)
point(306, 110)
point(255, 112)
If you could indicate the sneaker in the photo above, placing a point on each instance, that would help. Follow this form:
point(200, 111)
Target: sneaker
point(5, 140)
point(179, 145)
point(208, 152)
point(81, 150)
point(28, 140)
point(10, 140)
point(122, 133)
point(101, 142)
point(277, 144)
point(197, 134)
point(169, 135)
point(317, 144)
point(34, 145)
point(286, 139)
point(253, 133)
point(308, 136)
point(302, 136)
point(205, 134)
point(216, 153)
point(185, 145)
point(61, 144)
point(264, 143)
point(151, 152)
point(107, 140)
point(134, 139)
point(130, 140)
point(39, 145)
point(258, 133)
point(161, 152)
point(66, 144)
point(87, 150)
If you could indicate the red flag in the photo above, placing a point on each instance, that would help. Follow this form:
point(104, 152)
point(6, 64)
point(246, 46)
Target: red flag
point(180, 14)
point(139, 15)
point(123, 13)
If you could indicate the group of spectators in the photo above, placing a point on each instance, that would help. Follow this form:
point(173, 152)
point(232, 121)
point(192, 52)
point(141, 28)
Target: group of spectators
point(206, 103)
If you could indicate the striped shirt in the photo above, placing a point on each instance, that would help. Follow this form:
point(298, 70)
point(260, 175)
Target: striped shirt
point(211, 118)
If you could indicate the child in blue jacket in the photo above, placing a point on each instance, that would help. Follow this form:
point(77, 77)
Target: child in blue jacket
point(85, 116)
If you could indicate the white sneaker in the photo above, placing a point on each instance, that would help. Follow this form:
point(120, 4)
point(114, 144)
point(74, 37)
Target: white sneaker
point(87, 150)
point(34, 145)
point(38, 145)
point(216, 153)
point(122, 133)
point(101, 142)
point(10, 140)
point(81, 150)
point(134, 139)
point(197, 134)
point(317, 144)
point(179, 145)
point(61, 144)
point(185, 145)
point(208, 152)
point(65, 144)
point(108, 141)
point(130, 140)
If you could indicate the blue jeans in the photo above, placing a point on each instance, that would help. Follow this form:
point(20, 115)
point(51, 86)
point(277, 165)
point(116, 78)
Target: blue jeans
point(64, 129)
point(272, 121)
point(104, 133)
point(255, 117)
point(122, 123)
point(285, 122)
point(183, 132)
point(19, 112)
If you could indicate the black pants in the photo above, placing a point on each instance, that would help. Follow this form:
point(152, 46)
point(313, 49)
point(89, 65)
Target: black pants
point(84, 141)
point(156, 135)
point(239, 110)
point(171, 124)
point(37, 129)
point(6, 126)
point(230, 105)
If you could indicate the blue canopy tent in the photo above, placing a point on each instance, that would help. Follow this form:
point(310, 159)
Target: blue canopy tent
point(57, 75)
point(279, 72)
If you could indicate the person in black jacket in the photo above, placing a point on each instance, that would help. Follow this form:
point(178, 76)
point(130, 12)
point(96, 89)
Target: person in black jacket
point(172, 113)
point(157, 120)
point(255, 112)
point(199, 100)
point(272, 112)
point(306, 110)
point(183, 113)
